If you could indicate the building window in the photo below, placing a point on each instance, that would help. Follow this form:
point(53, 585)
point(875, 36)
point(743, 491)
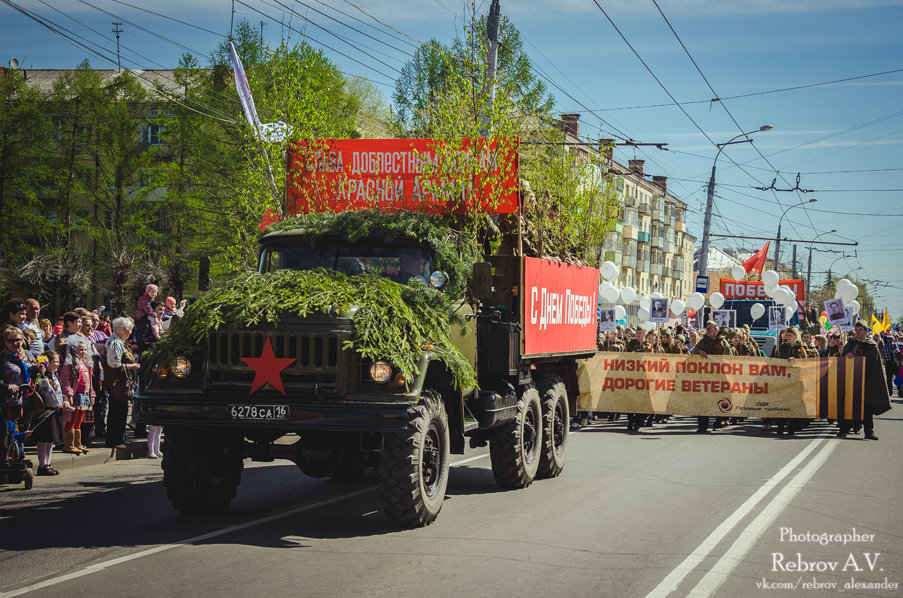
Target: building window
point(152, 134)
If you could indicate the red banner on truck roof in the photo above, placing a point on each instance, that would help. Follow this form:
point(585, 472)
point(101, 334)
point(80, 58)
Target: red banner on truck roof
point(560, 302)
point(755, 289)
point(412, 174)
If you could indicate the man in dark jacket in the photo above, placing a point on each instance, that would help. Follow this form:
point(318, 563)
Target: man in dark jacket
point(710, 344)
point(876, 400)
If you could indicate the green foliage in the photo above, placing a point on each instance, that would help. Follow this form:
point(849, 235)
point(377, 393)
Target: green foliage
point(570, 200)
point(393, 322)
point(454, 253)
point(24, 143)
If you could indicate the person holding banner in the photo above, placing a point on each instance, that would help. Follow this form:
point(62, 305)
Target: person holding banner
point(638, 344)
point(790, 348)
point(711, 344)
point(835, 344)
point(808, 345)
point(876, 400)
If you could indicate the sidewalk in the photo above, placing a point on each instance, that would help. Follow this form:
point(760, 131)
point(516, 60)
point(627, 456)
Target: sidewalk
point(99, 454)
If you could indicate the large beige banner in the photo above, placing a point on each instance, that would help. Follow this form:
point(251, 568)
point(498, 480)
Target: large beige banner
point(722, 386)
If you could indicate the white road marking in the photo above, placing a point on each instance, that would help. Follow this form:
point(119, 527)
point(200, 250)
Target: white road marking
point(97, 567)
point(742, 545)
point(689, 564)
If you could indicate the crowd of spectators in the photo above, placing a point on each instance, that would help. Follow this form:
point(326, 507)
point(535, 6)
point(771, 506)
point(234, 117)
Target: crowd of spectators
point(81, 369)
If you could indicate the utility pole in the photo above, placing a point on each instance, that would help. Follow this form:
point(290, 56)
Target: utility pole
point(492, 35)
point(117, 29)
point(793, 269)
point(232, 20)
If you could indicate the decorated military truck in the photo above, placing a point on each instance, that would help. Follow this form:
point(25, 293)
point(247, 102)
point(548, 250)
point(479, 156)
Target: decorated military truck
point(375, 333)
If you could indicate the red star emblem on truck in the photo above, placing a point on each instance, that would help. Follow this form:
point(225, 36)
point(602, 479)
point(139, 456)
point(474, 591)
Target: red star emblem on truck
point(268, 368)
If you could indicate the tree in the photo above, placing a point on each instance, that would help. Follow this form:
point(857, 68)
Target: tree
point(25, 134)
point(570, 201)
point(297, 85)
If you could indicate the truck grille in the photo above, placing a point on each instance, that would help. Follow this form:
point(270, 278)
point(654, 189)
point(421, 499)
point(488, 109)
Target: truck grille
point(317, 357)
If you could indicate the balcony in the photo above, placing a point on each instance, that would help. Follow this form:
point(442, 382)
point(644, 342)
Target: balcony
point(628, 261)
point(655, 269)
point(668, 247)
point(643, 237)
point(643, 266)
point(628, 232)
point(680, 226)
point(658, 241)
point(643, 209)
point(613, 256)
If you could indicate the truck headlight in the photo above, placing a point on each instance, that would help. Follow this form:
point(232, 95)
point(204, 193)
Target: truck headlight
point(381, 371)
point(181, 367)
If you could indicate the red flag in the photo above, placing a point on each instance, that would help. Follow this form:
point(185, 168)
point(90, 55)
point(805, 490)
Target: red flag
point(757, 261)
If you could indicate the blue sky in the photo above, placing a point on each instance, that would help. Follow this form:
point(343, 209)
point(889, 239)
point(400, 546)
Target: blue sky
point(845, 139)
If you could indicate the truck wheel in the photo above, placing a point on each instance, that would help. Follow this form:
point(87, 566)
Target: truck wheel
point(413, 466)
point(555, 423)
point(201, 470)
point(516, 446)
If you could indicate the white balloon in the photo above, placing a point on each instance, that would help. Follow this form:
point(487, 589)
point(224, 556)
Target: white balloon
point(677, 307)
point(769, 291)
point(609, 270)
point(738, 272)
point(770, 278)
point(854, 307)
point(644, 302)
point(842, 283)
point(716, 300)
point(643, 313)
point(789, 298)
point(788, 313)
point(757, 310)
point(656, 295)
point(612, 293)
point(696, 301)
point(628, 295)
point(838, 292)
point(620, 312)
point(849, 293)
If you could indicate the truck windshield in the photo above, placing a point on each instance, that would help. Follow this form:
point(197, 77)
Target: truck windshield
point(399, 263)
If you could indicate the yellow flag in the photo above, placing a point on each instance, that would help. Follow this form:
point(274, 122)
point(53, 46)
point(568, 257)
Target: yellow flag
point(876, 326)
point(886, 321)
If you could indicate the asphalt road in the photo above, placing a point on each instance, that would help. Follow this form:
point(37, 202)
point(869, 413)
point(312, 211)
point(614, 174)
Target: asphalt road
point(664, 512)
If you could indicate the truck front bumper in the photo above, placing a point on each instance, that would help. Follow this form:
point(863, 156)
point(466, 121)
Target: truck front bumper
point(332, 415)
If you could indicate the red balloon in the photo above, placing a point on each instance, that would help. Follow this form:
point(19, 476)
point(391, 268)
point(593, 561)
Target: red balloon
point(691, 313)
point(824, 313)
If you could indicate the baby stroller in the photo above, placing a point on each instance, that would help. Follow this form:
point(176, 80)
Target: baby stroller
point(14, 467)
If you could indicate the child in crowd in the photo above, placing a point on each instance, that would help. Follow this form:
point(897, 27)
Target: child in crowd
point(75, 378)
point(50, 429)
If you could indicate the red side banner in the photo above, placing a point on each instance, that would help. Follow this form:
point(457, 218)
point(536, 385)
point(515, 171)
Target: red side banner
point(559, 307)
point(420, 175)
point(755, 289)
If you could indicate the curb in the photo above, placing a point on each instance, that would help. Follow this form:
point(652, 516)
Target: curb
point(98, 455)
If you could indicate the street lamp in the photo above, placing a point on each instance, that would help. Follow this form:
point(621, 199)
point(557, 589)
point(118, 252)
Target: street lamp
point(809, 268)
point(777, 241)
point(707, 223)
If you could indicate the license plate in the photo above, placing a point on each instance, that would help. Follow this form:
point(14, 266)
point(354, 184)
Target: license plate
point(259, 412)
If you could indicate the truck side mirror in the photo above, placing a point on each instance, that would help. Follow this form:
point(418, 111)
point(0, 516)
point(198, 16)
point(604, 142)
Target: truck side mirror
point(481, 281)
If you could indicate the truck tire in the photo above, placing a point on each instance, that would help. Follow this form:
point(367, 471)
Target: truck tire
point(413, 466)
point(201, 470)
point(555, 423)
point(516, 446)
